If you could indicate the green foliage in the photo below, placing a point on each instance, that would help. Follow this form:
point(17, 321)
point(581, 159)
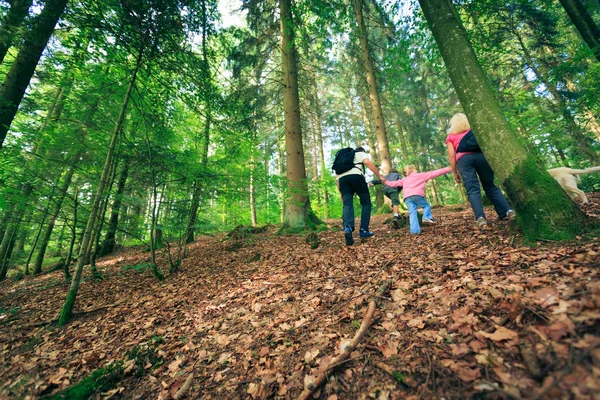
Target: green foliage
point(146, 354)
point(141, 267)
point(98, 381)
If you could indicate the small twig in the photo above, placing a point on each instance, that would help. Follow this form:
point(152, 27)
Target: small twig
point(185, 387)
point(349, 348)
point(426, 379)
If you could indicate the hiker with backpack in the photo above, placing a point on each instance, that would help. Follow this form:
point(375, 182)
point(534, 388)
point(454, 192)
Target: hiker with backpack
point(391, 193)
point(469, 165)
point(414, 194)
point(349, 167)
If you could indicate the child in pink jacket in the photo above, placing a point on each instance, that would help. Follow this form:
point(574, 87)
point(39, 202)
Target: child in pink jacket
point(414, 194)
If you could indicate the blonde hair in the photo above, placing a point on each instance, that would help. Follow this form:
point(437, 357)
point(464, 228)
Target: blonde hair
point(458, 123)
point(407, 168)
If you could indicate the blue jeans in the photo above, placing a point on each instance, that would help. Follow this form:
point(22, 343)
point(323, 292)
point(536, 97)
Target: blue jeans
point(470, 166)
point(349, 185)
point(413, 203)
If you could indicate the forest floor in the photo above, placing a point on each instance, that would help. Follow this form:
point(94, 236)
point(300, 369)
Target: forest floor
point(469, 314)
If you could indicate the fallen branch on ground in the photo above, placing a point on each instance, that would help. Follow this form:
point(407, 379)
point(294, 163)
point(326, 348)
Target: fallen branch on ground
point(351, 345)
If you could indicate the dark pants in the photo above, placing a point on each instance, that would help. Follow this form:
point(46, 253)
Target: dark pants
point(470, 166)
point(349, 185)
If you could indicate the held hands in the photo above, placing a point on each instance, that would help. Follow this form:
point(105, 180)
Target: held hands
point(383, 181)
point(457, 178)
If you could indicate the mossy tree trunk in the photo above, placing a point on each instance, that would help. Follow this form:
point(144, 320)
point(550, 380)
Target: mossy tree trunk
point(298, 213)
point(109, 244)
point(543, 209)
point(587, 28)
point(11, 23)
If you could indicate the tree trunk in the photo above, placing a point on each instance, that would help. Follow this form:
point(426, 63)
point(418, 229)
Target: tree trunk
point(544, 210)
point(559, 105)
point(297, 211)
point(66, 272)
point(587, 28)
point(10, 24)
point(67, 309)
point(17, 79)
point(379, 197)
point(9, 238)
point(109, 243)
point(382, 140)
point(37, 267)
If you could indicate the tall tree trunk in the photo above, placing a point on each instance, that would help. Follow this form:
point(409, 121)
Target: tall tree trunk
point(109, 243)
point(10, 24)
point(37, 267)
point(67, 310)
point(382, 140)
point(544, 210)
point(68, 260)
point(379, 197)
point(319, 128)
point(16, 81)
point(559, 104)
point(197, 186)
point(10, 234)
point(298, 211)
point(35, 242)
point(587, 28)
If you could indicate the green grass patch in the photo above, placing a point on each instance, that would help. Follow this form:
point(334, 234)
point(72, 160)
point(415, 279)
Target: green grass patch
point(141, 267)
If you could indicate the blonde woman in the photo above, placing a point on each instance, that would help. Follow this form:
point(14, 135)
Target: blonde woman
point(468, 162)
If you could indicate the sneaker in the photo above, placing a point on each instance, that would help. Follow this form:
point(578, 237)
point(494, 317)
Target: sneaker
point(481, 223)
point(348, 236)
point(428, 221)
point(396, 222)
point(510, 215)
point(365, 234)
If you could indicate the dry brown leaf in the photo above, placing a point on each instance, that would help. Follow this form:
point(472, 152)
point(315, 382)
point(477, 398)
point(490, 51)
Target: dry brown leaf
point(500, 334)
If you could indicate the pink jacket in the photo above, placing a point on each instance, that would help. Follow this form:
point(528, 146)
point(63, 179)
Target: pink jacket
point(414, 184)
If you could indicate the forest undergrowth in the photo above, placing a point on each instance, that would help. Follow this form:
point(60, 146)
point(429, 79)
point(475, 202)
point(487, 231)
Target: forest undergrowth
point(469, 314)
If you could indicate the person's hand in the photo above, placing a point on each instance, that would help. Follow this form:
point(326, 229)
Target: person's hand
point(371, 184)
point(383, 181)
point(457, 178)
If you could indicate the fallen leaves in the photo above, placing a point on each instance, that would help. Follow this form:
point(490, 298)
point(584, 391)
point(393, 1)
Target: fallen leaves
point(470, 311)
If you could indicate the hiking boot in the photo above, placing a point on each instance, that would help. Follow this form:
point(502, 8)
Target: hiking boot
point(481, 223)
point(365, 234)
point(510, 215)
point(396, 222)
point(348, 236)
point(428, 221)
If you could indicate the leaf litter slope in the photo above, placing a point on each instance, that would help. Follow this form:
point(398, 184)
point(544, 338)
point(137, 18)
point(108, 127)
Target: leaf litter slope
point(469, 314)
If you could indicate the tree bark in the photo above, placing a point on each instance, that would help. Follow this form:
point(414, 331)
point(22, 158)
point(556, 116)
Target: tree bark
point(17, 79)
point(11, 23)
point(380, 132)
point(297, 210)
point(37, 267)
point(587, 28)
point(109, 243)
point(543, 209)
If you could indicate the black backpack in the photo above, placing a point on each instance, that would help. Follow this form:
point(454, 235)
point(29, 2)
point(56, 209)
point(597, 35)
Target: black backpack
point(344, 161)
point(468, 144)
